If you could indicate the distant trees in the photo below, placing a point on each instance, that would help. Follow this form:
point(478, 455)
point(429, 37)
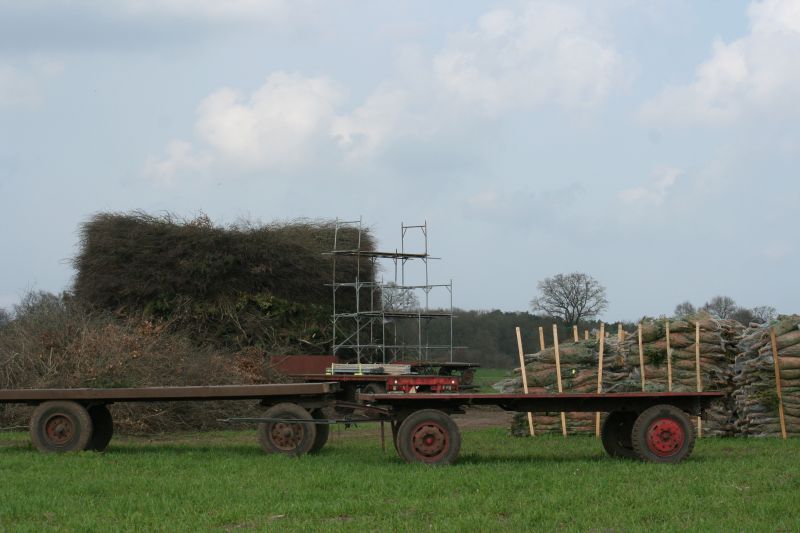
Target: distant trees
point(721, 306)
point(5, 317)
point(725, 307)
point(685, 309)
point(571, 297)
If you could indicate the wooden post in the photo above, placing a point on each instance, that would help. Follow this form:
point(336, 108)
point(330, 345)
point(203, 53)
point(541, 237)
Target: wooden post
point(620, 334)
point(558, 377)
point(778, 380)
point(586, 334)
point(641, 355)
point(669, 362)
point(600, 376)
point(541, 338)
point(575, 333)
point(524, 379)
point(697, 368)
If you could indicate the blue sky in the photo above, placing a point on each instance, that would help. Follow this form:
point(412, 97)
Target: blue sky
point(653, 145)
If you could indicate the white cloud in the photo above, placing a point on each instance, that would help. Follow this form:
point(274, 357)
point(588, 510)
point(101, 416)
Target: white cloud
point(544, 52)
point(276, 127)
point(235, 9)
point(654, 193)
point(181, 157)
point(758, 73)
point(363, 130)
point(22, 85)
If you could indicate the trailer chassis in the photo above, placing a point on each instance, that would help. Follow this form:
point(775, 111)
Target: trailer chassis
point(652, 427)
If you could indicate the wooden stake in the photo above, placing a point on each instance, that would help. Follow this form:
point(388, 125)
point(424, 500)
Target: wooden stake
point(541, 338)
point(558, 377)
point(600, 376)
point(641, 355)
point(524, 379)
point(778, 380)
point(697, 368)
point(575, 333)
point(586, 334)
point(620, 334)
point(669, 362)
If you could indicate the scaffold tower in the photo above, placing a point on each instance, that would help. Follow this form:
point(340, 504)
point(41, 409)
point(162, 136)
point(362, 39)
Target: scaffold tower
point(389, 321)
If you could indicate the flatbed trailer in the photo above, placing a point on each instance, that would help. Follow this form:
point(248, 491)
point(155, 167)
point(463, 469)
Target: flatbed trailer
point(649, 426)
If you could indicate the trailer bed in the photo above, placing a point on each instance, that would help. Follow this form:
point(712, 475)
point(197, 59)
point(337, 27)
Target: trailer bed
point(692, 402)
point(157, 394)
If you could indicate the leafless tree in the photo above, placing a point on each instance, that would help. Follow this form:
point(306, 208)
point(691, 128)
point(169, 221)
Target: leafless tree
point(398, 299)
point(765, 313)
point(721, 306)
point(5, 317)
point(572, 297)
point(685, 309)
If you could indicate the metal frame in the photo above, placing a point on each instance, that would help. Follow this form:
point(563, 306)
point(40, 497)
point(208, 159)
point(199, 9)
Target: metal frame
point(365, 331)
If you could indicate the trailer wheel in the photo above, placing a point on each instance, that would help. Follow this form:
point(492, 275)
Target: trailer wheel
point(616, 434)
point(60, 426)
point(428, 436)
point(374, 388)
point(290, 437)
point(323, 431)
point(102, 428)
point(663, 434)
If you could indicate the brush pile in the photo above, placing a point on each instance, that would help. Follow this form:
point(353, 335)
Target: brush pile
point(578, 374)
point(756, 399)
point(718, 348)
point(237, 286)
point(622, 370)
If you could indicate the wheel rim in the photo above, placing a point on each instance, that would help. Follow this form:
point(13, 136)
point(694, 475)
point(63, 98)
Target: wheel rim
point(59, 429)
point(429, 441)
point(286, 436)
point(665, 437)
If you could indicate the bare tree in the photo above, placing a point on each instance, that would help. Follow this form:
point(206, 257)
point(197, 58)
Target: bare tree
point(396, 298)
point(721, 306)
point(5, 317)
point(571, 297)
point(743, 315)
point(765, 313)
point(685, 309)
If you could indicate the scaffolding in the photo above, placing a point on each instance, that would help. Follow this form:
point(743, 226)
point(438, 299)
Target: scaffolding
point(385, 314)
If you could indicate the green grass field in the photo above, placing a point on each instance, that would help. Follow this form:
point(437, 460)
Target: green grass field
point(486, 377)
point(222, 481)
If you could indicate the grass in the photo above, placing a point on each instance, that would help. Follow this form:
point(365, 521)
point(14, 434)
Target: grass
point(486, 377)
point(223, 482)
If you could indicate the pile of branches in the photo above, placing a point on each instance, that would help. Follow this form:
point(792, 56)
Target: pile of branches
point(579, 366)
point(756, 397)
point(621, 370)
point(718, 348)
point(237, 286)
point(54, 342)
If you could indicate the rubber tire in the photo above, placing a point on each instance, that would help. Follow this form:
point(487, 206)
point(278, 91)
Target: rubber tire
point(323, 431)
point(650, 415)
point(77, 417)
point(307, 433)
point(374, 388)
point(414, 423)
point(616, 434)
point(102, 428)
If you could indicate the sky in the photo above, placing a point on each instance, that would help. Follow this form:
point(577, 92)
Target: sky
point(653, 145)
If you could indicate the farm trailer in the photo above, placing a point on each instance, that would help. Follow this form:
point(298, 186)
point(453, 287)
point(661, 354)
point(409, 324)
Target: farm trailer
point(652, 427)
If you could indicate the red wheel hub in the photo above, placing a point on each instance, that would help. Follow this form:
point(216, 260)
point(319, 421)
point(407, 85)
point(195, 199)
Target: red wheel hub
point(286, 436)
point(59, 429)
point(429, 441)
point(665, 437)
